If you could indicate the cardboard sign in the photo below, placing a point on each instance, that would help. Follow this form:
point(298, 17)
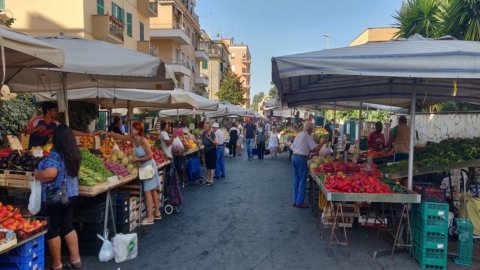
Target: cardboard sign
point(97, 142)
point(14, 143)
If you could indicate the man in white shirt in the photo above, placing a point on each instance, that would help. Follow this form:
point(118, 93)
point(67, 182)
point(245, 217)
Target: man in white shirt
point(301, 147)
point(220, 166)
point(166, 141)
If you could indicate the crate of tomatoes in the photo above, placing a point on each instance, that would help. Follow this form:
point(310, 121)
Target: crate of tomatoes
point(24, 226)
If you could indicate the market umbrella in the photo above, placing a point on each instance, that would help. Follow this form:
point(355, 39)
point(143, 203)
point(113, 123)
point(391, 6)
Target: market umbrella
point(230, 110)
point(395, 73)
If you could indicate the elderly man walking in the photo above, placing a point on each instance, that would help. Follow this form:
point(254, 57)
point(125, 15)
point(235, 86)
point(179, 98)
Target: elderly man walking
point(220, 166)
point(301, 147)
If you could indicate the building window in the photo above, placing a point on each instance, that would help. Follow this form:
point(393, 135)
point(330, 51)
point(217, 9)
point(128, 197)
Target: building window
point(221, 67)
point(232, 55)
point(129, 24)
point(204, 64)
point(2, 5)
point(233, 68)
point(244, 70)
point(142, 32)
point(100, 7)
point(118, 12)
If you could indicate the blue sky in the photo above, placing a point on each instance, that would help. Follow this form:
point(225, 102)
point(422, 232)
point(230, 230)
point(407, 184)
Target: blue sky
point(281, 27)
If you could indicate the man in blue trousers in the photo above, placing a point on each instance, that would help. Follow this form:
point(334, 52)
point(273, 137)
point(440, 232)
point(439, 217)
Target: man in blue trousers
point(220, 166)
point(250, 131)
point(301, 147)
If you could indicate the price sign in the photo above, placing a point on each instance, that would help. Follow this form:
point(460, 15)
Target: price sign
point(113, 178)
point(14, 143)
point(97, 142)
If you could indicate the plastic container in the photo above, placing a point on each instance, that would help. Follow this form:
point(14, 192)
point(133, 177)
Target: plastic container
point(430, 240)
point(29, 256)
point(431, 209)
point(465, 242)
point(431, 258)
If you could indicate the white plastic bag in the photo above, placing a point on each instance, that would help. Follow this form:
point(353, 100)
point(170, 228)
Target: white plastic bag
point(177, 146)
point(325, 151)
point(35, 200)
point(226, 151)
point(106, 252)
point(125, 247)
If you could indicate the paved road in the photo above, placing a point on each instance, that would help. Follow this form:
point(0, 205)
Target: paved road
point(246, 221)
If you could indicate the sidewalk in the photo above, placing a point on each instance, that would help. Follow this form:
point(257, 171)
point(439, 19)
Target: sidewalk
point(246, 221)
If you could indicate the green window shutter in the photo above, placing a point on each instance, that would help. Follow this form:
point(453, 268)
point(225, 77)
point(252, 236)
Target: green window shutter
point(2, 5)
point(122, 14)
point(100, 7)
point(114, 10)
point(221, 67)
point(129, 24)
point(142, 32)
point(204, 64)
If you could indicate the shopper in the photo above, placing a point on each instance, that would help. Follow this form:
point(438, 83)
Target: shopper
point(41, 128)
point(301, 147)
point(144, 156)
point(241, 138)
point(261, 138)
point(233, 134)
point(165, 140)
point(116, 126)
point(209, 147)
point(376, 139)
point(220, 164)
point(249, 134)
point(60, 168)
point(273, 142)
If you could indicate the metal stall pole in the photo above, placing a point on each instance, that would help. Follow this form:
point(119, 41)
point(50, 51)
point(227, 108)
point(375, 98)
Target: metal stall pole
point(412, 133)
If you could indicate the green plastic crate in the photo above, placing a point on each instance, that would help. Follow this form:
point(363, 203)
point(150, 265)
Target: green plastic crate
point(431, 225)
point(431, 210)
point(431, 258)
point(430, 240)
point(465, 242)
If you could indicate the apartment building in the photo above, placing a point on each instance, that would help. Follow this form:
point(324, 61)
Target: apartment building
point(175, 33)
point(240, 61)
point(122, 22)
point(371, 35)
point(218, 63)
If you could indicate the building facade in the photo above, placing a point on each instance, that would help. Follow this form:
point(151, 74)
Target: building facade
point(218, 63)
point(175, 34)
point(240, 61)
point(371, 35)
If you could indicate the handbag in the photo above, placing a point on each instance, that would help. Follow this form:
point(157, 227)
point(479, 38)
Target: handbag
point(146, 172)
point(57, 196)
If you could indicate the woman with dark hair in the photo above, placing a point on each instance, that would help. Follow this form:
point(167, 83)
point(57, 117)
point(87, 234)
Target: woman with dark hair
point(144, 156)
point(61, 167)
point(210, 149)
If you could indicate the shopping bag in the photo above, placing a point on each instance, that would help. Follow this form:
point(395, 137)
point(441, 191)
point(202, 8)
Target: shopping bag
point(35, 200)
point(106, 251)
point(146, 172)
point(125, 247)
point(226, 151)
point(177, 146)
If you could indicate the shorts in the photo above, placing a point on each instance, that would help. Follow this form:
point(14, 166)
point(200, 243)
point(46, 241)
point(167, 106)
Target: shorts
point(211, 159)
point(60, 219)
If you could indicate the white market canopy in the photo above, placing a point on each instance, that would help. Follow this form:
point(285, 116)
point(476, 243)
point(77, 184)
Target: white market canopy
point(135, 98)
point(21, 50)
point(381, 73)
point(91, 63)
point(230, 110)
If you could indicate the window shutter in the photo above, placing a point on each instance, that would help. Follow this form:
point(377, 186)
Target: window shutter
point(204, 64)
point(129, 24)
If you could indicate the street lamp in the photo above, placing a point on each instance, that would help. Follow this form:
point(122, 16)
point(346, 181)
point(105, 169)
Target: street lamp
point(327, 39)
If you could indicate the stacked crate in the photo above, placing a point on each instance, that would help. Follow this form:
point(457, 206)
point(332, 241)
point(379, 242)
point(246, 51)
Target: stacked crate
point(89, 220)
point(465, 242)
point(430, 234)
point(29, 256)
point(126, 212)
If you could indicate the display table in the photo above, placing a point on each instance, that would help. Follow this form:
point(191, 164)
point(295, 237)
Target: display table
point(335, 202)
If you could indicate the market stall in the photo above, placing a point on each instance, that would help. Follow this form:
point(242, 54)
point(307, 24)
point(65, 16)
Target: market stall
point(405, 73)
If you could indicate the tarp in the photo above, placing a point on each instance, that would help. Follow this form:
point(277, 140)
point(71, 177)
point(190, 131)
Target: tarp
point(230, 110)
point(22, 50)
point(135, 98)
point(381, 73)
point(181, 112)
point(92, 63)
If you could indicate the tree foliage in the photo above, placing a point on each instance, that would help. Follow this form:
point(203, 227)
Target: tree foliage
point(273, 92)
point(14, 115)
point(257, 98)
point(81, 114)
point(231, 89)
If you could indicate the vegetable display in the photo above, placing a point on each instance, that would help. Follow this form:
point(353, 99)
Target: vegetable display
point(92, 170)
point(448, 151)
point(18, 162)
point(357, 183)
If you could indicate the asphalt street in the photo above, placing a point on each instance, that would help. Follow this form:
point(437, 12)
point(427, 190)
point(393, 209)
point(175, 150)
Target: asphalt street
point(246, 221)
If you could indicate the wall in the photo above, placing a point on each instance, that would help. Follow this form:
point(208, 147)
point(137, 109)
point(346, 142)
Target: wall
point(436, 127)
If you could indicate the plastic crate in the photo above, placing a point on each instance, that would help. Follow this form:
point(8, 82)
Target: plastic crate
point(30, 247)
point(431, 193)
point(431, 209)
point(430, 240)
point(33, 261)
point(94, 214)
point(431, 258)
point(465, 242)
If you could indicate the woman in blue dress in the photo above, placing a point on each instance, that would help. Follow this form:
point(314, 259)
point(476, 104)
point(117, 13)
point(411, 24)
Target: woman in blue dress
point(144, 156)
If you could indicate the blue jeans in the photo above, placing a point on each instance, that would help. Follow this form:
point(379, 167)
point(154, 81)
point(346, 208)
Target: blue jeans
point(300, 170)
point(250, 143)
point(220, 166)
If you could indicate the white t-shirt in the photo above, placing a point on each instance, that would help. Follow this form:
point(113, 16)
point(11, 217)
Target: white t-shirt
point(303, 144)
point(167, 149)
point(220, 136)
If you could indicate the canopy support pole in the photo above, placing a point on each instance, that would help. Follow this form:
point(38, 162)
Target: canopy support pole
point(129, 116)
point(360, 120)
point(412, 133)
point(62, 98)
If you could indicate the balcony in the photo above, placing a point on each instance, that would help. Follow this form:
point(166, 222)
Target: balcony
point(202, 55)
point(201, 80)
point(179, 67)
point(149, 8)
point(108, 28)
point(214, 53)
point(174, 32)
point(246, 60)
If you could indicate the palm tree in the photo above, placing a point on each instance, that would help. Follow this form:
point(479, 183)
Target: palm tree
point(462, 19)
point(422, 17)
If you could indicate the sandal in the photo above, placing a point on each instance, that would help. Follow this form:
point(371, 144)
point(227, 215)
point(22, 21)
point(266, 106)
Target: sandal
point(157, 217)
point(146, 222)
point(209, 183)
point(71, 265)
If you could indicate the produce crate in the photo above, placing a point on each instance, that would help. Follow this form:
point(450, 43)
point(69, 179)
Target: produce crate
point(431, 258)
point(21, 234)
point(349, 210)
point(430, 240)
point(4, 243)
point(92, 214)
point(431, 226)
point(17, 183)
point(431, 210)
point(19, 175)
point(328, 222)
point(127, 227)
point(465, 242)
point(431, 194)
point(3, 174)
point(29, 256)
